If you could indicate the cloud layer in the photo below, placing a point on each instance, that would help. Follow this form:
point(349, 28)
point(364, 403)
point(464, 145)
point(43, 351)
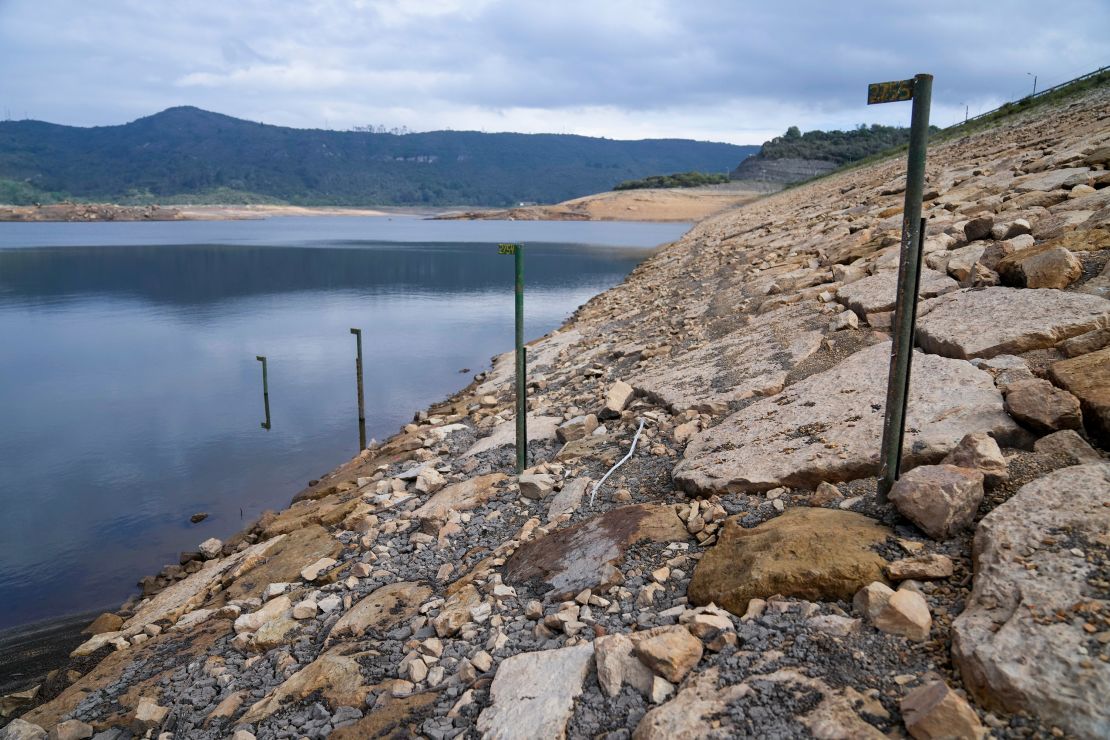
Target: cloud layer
point(707, 69)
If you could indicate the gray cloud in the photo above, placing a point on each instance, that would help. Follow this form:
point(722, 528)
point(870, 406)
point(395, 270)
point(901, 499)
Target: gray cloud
point(734, 71)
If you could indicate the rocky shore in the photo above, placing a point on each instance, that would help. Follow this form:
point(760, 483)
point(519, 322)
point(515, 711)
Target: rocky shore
point(736, 576)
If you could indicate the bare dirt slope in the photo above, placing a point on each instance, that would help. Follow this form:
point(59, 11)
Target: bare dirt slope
point(737, 576)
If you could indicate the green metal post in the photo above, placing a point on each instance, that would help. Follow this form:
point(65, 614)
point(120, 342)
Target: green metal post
point(521, 366)
point(265, 391)
point(358, 383)
point(909, 276)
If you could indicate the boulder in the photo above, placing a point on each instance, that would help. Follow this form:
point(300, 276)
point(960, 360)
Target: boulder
point(1087, 377)
point(285, 560)
point(536, 485)
point(872, 599)
point(879, 292)
point(935, 712)
point(540, 428)
point(148, 715)
point(210, 548)
point(19, 729)
point(1051, 180)
point(962, 261)
point(1020, 644)
point(617, 665)
point(382, 610)
point(569, 560)
point(567, 500)
point(617, 399)
point(978, 228)
point(335, 677)
point(532, 695)
point(1043, 407)
point(272, 609)
point(1083, 344)
point(828, 427)
point(106, 622)
point(462, 496)
point(576, 428)
point(979, 451)
point(1069, 443)
point(1042, 266)
point(905, 614)
point(753, 360)
point(1012, 321)
point(940, 499)
point(813, 554)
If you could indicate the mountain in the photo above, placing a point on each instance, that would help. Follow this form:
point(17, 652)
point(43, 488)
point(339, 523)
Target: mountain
point(186, 154)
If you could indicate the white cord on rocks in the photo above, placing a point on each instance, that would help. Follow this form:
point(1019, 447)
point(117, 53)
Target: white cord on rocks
point(622, 462)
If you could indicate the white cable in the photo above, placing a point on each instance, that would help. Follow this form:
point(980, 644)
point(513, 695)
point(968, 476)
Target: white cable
point(622, 462)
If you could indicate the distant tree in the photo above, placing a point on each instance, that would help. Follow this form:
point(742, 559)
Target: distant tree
point(793, 133)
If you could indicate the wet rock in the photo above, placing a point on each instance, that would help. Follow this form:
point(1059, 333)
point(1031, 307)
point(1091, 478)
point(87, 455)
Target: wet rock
point(979, 451)
point(617, 666)
point(669, 651)
point(617, 399)
point(905, 614)
point(1087, 377)
point(1042, 266)
point(532, 695)
point(935, 712)
point(751, 361)
point(1013, 650)
point(464, 496)
point(106, 622)
point(576, 428)
point(1068, 443)
point(1043, 407)
point(940, 499)
point(198, 517)
point(813, 554)
point(828, 427)
point(567, 561)
point(1020, 320)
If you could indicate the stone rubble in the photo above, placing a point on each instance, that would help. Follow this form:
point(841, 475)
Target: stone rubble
point(734, 577)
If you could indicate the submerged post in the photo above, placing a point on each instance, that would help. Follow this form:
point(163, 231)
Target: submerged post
point(919, 89)
point(265, 391)
point(517, 250)
point(358, 383)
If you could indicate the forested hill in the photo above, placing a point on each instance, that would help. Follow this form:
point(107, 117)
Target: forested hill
point(189, 155)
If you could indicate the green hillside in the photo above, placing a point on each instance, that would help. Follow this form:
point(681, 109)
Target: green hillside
point(190, 155)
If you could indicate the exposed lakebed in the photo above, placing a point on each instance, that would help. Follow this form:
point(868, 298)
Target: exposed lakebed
point(131, 397)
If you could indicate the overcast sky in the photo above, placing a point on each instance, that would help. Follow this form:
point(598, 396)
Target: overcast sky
point(722, 70)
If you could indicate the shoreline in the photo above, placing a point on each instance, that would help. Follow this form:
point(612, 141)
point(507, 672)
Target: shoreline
point(112, 212)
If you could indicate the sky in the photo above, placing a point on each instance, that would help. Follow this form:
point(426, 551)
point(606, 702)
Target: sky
point(718, 70)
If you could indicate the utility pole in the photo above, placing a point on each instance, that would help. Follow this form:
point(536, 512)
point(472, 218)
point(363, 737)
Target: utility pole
point(919, 89)
point(358, 383)
point(517, 250)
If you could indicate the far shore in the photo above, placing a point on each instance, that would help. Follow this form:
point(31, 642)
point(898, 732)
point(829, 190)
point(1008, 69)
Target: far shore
point(91, 212)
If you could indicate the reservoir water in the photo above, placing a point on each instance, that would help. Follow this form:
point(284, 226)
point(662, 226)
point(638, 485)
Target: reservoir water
point(130, 397)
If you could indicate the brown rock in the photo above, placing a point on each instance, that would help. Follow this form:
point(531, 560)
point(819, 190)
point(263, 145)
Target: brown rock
point(906, 614)
point(814, 554)
point(617, 399)
point(978, 228)
point(979, 451)
point(1043, 407)
point(936, 712)
point(922, 567)
point(940, 499)
point(617, 665)
point(106, 622)
point(669, 651)
point(1069, 443)
point(71, 729)
point(1092, 341)
point(571, 560)
point(1043, 266)
point(872, 599)
point(1088, 378)
point(391, 717)
point(148, 715)
point(285, 561)
point(456, 611)
point(382, 610)
point(463, 496)
point(337, 677)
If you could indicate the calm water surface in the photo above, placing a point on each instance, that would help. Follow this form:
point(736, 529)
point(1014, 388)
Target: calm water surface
point(130, 397)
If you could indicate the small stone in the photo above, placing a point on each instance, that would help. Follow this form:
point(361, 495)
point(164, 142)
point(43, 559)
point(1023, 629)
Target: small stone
point(482, 660)
point(979, 451)
point(846, 319)
point(429, 481)
point(834, 624)
point(905, 614)
point(19, 729)
point(71, 729)
point(243, 735)
point(825, 493)
point(198, 517)
point(872, 599)
point(329, 603)
point(399, 687)
point(576, 428)
point(417, 670)
point(304, 609)
point(671, 652)
point(617, 400)
point(1043, 407)
point(922, 567)
point(536, 485)
point(361, 570)
point(940, 499)
point(273, 590)
point(935, 711)
point(148, 715)
point(533, 610)
point(1070, 443)
point(661, 690)
point(312, 572)
point(755, 609)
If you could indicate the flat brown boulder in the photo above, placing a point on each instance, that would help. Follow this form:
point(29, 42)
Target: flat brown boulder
point(1087, 377)
point(464, 496)
point(879, 292)
point(382, 610)
point(1044, 266)
point(996, 321)
point(337, 678)
point(1021, 643)
point(813, 554)
point(285, 561)
point(828, 427)
point(570, 560)
point(751, 361)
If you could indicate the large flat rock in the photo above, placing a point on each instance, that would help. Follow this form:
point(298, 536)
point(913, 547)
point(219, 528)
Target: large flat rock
point(285, 560)
point(382, 610)
point(584, 556)
point(1087, 377)
point(880, 292)
point(813, 554)
point(532, 695)
point(463, 496)
point(1020, 643)
point(828, 427)
point(751, 361)
point(997, 321)
point(539, 428)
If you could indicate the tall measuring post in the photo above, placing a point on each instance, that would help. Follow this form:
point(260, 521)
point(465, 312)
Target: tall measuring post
point(517, 250)
point(919, 90)
point(265, 391)
point(358, 383)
